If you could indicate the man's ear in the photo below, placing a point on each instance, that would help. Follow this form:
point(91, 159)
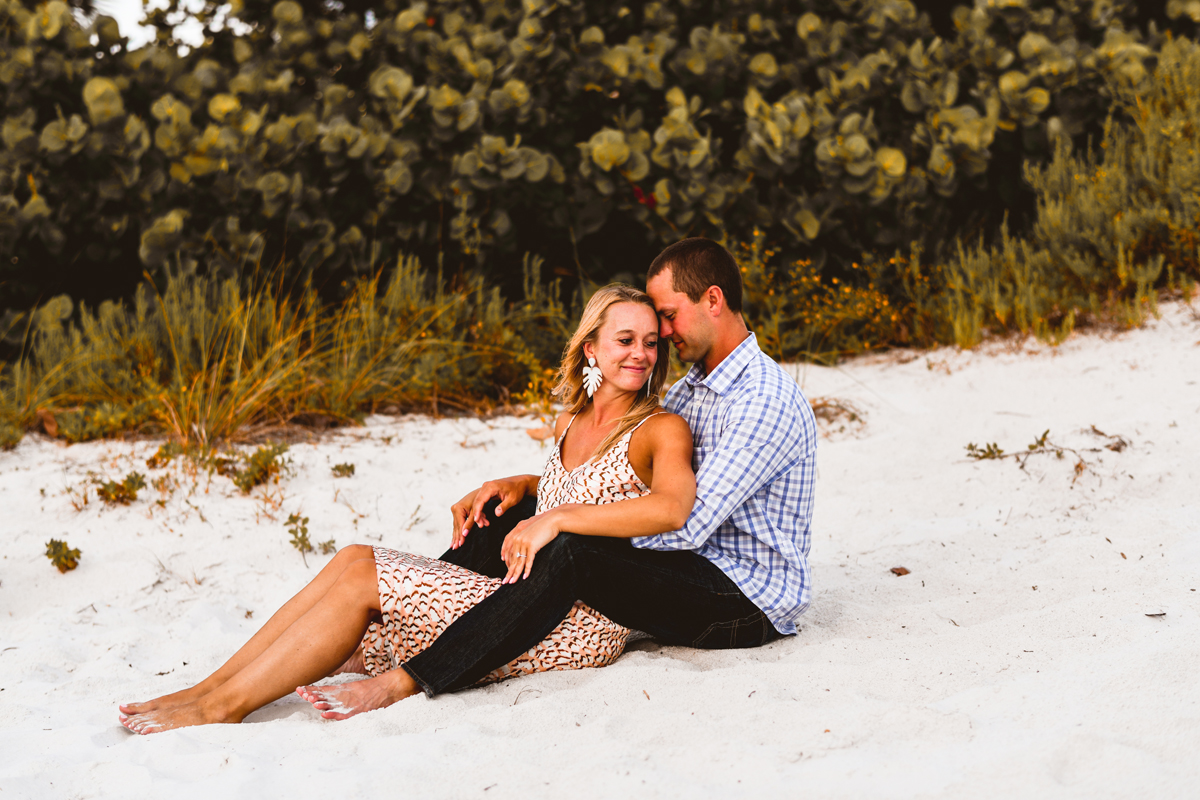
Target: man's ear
point(714, 301)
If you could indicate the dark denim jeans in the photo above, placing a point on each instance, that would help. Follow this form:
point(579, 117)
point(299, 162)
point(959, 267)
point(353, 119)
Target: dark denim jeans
point(678, 597)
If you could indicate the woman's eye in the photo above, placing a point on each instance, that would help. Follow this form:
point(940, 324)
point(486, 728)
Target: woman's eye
point(626, 342)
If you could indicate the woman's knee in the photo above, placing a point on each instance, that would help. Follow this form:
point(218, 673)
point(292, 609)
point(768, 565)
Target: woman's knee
point(359, 578)
point(354, 552)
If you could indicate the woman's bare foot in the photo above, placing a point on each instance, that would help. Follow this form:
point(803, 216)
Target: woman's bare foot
point(166, 719)
point(180, 698)
point(355, 664)
point(345, 700)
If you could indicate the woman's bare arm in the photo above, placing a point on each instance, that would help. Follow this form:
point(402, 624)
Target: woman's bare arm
point(672, 491)
point(666, 508)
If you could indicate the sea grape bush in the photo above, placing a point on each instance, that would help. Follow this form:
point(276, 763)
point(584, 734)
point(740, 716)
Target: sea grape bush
point(332, 137)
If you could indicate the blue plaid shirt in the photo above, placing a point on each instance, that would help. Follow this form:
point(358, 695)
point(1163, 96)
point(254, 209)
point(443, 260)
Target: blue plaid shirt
point(755, 458)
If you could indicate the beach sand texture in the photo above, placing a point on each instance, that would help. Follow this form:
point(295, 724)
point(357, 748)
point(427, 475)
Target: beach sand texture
point(1045, 642)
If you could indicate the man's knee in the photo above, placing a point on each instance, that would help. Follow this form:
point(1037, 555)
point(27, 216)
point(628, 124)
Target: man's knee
point(575, 546)
point(523, 509)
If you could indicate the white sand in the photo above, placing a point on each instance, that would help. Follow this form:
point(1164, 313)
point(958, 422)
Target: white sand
point(958, 680)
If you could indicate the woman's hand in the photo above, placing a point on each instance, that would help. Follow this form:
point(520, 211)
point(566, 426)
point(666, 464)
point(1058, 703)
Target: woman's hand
point(523, 543)
point(469, 511)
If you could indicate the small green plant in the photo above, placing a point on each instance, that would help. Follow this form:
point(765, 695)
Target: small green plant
point(988, 451)
point(61, 556)
point(298, 528)
point(343, 470)
point(327, 547)
point(123, 493)
point(1042, 445)
point(164, 455)
point(262, 465)
point(10, 433)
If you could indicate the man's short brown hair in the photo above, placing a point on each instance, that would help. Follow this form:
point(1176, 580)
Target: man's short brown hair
point(698, 263)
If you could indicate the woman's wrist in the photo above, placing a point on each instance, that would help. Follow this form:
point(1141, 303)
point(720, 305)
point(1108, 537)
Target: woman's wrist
point(564, 517)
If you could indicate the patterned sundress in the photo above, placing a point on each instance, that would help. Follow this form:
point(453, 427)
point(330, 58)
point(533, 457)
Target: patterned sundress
point(419, 597)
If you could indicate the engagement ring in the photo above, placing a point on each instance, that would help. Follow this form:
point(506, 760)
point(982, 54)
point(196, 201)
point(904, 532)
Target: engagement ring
point(520, 555)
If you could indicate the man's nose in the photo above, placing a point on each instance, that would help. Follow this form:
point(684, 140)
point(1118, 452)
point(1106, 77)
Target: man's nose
point(664, 328)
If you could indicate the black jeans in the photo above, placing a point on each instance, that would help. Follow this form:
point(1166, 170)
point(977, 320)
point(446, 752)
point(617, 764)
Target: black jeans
point(678, 597)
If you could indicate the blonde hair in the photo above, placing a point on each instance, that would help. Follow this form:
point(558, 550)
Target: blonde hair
point(569, 389)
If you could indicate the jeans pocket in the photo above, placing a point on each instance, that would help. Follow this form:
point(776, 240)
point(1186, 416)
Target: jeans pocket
point(751, 631)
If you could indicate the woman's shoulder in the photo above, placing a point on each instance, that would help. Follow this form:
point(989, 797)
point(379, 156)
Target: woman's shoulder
point(665, 426)
point(560, 424)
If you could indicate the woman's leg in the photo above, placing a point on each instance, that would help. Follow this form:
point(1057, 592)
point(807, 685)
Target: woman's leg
point(308, 650)
point(291, 611)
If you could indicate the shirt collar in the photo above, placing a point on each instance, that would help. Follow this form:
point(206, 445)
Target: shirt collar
point(728, 371)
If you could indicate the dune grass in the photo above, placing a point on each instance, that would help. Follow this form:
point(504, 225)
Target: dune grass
point(207, 360)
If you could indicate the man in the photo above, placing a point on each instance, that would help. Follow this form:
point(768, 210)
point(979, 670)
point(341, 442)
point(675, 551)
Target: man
point(736, 574)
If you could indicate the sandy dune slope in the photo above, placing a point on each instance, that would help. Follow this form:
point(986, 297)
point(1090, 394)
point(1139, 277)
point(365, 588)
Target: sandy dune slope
point(1045, 642)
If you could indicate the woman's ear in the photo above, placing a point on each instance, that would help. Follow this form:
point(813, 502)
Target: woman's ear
point(588, 351)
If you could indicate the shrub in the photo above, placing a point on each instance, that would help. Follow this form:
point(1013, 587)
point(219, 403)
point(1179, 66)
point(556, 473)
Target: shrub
point(64, 558)
point(1112, 229)
point(264, 464)
point(330, 140)
point(121, 493)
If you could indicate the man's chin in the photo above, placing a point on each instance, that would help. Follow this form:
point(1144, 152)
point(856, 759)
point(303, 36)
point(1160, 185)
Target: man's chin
point(686, 356)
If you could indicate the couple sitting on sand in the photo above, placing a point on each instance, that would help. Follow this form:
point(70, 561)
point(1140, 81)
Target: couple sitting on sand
point(618, 534)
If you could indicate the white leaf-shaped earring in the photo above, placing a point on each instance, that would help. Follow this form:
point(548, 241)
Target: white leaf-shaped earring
point(592, 377)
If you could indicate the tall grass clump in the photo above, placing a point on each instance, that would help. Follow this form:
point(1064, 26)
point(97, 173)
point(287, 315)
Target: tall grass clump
point(208, 360)
point(1113, 228)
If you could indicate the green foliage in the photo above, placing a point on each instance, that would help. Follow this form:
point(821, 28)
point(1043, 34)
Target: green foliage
point(1042, 445)
point(166, 453)
point(264, 464)
point(796, 315)
point(343, 470)
point(1112, 229)
point(212, 359)
point(10, 433)
point(64, 558)
point(124, 492)
point(298, 528)
point(330, 140)
point(990, 451)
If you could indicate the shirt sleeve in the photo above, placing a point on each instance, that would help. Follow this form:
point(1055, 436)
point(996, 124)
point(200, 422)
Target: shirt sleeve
point(756, 446)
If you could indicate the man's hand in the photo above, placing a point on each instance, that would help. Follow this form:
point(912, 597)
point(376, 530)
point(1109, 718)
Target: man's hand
point(468, 512)
point(524, 542)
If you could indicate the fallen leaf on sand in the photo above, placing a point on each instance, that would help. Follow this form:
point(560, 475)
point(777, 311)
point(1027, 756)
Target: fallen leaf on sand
point(900, 570)
point(1159, 614)
point(539, 434)
point(49, 424)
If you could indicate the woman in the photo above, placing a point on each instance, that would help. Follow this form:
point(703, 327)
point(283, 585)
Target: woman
point(371, 609)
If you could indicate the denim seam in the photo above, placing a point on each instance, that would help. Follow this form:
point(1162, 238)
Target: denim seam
point(420, 681)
